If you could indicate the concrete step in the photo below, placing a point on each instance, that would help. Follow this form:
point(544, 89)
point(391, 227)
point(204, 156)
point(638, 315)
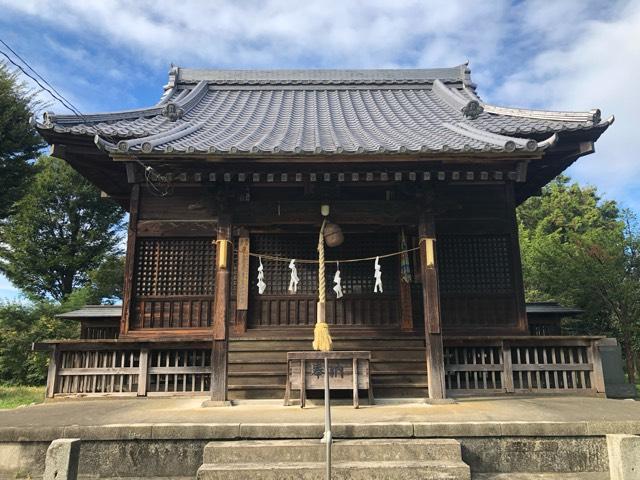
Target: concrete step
point(309, 451)
point(405, 470)
point(542, 476)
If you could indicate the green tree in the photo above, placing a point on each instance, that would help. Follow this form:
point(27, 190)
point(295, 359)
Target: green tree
point(583, 251)
point(19, 141)
point(105, 284)
point(58, 232)
point(22, 324)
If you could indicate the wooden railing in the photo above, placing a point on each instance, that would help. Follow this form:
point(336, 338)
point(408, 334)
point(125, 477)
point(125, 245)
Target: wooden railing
point(480, 365)
point(106, 368)
point(473, 366)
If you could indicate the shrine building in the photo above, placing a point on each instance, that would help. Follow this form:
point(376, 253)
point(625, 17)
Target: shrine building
point(232, 175)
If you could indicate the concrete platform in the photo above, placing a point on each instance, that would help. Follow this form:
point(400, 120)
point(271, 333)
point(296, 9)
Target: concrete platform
point(532, 435)
point(168, 417)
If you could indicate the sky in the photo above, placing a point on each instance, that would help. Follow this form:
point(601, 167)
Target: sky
point(552, 54)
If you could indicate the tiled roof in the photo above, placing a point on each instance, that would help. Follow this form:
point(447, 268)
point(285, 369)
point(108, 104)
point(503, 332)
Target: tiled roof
point(94, 311)
point(551, 308)
point(322, 112)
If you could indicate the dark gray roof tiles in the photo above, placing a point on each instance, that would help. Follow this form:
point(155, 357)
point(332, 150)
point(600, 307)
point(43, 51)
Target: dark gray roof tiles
point(322, 112)
point(94, 311)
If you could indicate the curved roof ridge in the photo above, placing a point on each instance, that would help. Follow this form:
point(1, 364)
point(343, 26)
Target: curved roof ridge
point(470, 108)
point(184, 102)
point(125, 145)
point(593, 115)
point(505, 142)
point(51, 118)
point(459, 74)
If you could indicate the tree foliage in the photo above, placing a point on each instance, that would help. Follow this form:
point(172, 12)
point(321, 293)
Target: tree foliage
point(59, 231)
point(22, 324)
point(19, 141)
point(583, 251)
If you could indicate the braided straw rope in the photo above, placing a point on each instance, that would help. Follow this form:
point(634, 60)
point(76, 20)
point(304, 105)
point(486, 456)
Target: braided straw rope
point(321, 336)
point(322, 294)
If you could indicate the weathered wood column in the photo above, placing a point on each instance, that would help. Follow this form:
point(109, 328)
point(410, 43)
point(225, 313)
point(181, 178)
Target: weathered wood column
point(130, 261)
point(431, 298)
point(219, 351)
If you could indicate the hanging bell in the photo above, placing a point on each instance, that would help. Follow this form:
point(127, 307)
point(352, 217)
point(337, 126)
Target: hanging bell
point(333, 236)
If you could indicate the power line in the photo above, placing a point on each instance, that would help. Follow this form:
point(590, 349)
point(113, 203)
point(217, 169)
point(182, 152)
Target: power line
point(40, 84)
point(74, 109)
point(158, 183)
point(57, 95)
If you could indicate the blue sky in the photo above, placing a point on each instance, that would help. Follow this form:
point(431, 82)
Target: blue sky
point(562, 54)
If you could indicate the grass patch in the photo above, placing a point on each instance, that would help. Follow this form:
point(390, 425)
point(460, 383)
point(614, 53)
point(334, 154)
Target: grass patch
point(14, 396)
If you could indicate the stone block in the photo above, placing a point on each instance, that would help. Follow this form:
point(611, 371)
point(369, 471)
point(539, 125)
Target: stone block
point(456, 429)
point(624, 456)
point(372, 430)
point(543, 429)
point(109, 432)
point(186, 431)
point(62, 459)
point(281, 430)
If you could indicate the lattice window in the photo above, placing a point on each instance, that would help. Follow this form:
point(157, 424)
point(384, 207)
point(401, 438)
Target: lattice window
point(175, 266)
point(474, 264)
point(357, 278)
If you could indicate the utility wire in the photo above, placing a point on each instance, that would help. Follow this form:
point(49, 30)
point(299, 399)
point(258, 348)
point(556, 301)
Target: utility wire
point(57, 95)
point(158, 183)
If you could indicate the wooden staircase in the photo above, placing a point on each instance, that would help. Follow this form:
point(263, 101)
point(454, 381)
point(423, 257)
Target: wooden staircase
point(257, 364)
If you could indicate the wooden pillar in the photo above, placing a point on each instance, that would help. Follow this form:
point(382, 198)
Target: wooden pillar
point(132, 233)
point(219, 351)
point(431, 297)
point(142, 372)
point(518, 282)
point(52, 373)
point(242, 288)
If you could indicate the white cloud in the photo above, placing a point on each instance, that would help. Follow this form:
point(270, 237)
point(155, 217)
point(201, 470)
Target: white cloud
point(598, 67)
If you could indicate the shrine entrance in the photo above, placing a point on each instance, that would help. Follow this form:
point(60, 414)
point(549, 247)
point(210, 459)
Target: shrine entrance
point(359, 307)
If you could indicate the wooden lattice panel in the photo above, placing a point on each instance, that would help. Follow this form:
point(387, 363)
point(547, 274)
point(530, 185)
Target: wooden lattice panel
point(359, 306)
point(98, 372)
point(179, 371)
point(475, 264)
point(357, 278)
point(175, 267)
point(551, 368)
point(473, 368)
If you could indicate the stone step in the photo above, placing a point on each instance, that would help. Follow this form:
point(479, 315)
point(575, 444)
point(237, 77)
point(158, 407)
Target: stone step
point(405, 470)
point(374, 450)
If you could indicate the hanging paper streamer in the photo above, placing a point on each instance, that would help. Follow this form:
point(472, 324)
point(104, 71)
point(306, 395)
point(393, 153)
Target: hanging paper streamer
point(377, 288)
point(405, 265)
point(293, 283)
point(338, 285)
point(261, 285)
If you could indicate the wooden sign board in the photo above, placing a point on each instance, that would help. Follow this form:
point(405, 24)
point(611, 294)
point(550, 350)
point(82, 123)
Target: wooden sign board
point(242, 294)
point(340, 374)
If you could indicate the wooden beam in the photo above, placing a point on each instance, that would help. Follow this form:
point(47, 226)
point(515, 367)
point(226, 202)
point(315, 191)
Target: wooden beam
point(219, 351)
point(306, 212)
point(177, 228)
point(127, 301)
point(431, 298)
